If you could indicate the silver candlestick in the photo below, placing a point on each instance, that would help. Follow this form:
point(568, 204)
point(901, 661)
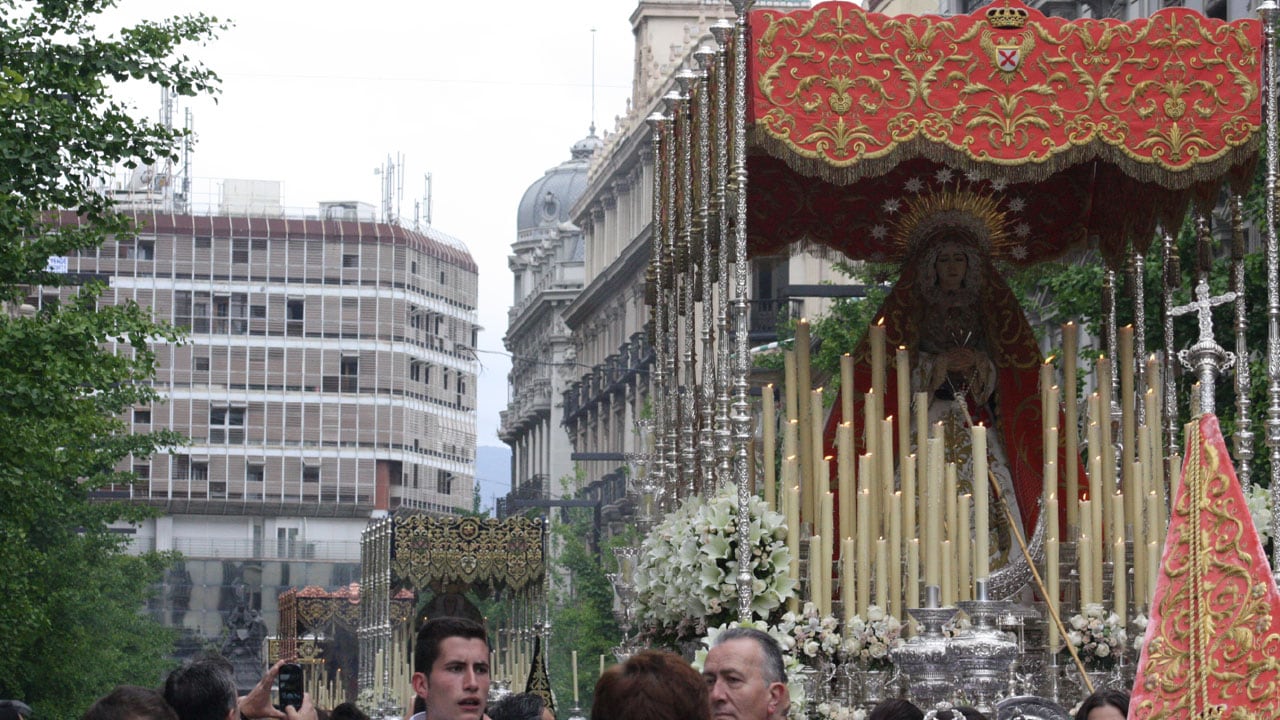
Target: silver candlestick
point(923, 658)
point(981, 655)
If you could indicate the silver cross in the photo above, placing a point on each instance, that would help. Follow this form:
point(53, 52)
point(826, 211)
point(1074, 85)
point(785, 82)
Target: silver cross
point(1205, 358)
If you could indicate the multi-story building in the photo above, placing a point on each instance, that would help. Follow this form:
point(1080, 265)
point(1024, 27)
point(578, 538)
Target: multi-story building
point(547, 268)
point(611, 387)
point(328, 376)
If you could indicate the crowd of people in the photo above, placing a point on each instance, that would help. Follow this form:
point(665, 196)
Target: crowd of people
point(743, 678)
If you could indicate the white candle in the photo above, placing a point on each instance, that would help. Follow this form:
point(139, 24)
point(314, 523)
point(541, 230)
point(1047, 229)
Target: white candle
point(981, 519)
point(1085, 549)
point(769, 441)
point(574, 660)
point(848, 578)
point(895, 554)
point(964, 564)
point(864, 551)
point(882, 574)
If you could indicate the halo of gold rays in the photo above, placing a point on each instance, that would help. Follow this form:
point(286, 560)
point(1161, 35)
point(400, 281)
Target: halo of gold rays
point(976, 215)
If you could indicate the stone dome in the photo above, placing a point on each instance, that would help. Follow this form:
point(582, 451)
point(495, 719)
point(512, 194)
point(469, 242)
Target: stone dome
point(548, 200)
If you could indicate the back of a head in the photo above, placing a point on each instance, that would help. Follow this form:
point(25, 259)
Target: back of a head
point(347, 711)
point(520, 706)
point(435, 631)
point(14, 710)
point(202, 689)
point(1119, 699)
point(130, 702)
point(651, 685)
point(896, 709)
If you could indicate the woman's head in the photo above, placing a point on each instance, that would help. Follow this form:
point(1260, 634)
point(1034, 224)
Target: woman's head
point(951, 266)
point(1104, 705)
point(651, 685)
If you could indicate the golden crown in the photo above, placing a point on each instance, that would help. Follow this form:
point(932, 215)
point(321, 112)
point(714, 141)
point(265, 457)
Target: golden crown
point(1007, 17)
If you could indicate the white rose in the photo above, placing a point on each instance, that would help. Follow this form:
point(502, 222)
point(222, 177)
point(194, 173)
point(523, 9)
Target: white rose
point(1078, 622)
point(811, 648)
point(1103, 650)
point(875, 613)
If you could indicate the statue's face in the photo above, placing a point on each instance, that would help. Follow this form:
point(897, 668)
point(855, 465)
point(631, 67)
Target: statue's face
point(951, 265)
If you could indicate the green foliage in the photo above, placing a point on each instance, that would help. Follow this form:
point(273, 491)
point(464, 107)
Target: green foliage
point(582, 617)
point(71, 624)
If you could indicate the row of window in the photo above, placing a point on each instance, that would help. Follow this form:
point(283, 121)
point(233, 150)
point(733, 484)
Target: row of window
point(184, 468)
point(144, 248)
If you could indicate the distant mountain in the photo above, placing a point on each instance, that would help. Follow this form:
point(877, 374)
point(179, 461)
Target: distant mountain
point(493, 470)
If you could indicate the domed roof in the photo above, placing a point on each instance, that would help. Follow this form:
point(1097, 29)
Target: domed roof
point(548, 200)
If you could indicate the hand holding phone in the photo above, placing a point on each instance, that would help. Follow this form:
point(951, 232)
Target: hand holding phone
point(290, 684)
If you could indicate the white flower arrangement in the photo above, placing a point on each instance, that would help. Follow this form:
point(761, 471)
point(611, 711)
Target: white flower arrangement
point(956, 625)
point(792, 665)
point(835, 711)
point(1098, 636)
point(688, 563)
point(815, 636)
point(1139, 624)
point(1259, 501)
point(868, 641)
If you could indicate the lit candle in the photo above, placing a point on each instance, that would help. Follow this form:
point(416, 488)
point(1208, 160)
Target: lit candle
point(793, 540)
point(981, 519)
point(848, 578)
point(804, 413)
point(844, 477)
point(963, 563)
point(895, 554)
point(880, 506)
point(846, 388)
point(1118, 582)
point(933, 510)
point(790, 385)
point(1070, 349)
point(864, 551)
point(904, 404)
point(601, 665)
point(574, 659)
point(877, 340)
point(882, 573)
point(1085, 550)
point(769, 442)
point(913, 573)
point(948, 575)
point(1046, 379)
point(815, 571)
point(828, 551)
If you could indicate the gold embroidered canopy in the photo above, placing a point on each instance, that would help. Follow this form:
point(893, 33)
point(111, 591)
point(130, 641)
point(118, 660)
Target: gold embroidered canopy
point(1105, 128)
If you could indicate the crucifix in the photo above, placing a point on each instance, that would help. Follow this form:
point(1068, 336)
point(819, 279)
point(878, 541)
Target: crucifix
point(1205, 358)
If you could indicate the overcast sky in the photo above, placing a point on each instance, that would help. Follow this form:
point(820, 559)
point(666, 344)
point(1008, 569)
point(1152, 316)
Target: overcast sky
point(484, 96)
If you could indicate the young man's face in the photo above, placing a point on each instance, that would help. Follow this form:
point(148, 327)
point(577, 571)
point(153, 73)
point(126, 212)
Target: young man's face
point(458, 684)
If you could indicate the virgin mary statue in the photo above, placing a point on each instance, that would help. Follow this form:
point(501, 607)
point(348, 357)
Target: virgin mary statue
point(973, 356)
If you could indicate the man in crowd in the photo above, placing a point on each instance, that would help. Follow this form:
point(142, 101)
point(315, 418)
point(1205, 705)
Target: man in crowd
point(451, 669)
point(130, 702)
point(205, 689)
point(746, 677)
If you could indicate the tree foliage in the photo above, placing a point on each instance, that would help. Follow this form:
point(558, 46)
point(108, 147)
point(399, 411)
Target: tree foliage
point(71, 622)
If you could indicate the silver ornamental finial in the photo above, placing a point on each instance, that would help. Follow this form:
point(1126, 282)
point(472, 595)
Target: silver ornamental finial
point(1206, 358)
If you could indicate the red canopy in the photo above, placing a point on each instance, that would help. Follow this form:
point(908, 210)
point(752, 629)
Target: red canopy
point(1084, 128)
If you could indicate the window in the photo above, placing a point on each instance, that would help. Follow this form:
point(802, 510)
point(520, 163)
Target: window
point(293, 314)
point(444, 482)
point(350, 261)
point(310, 474)
point(180, 468)
point(442, 277)
point(445, 375)
point(254, 473)
point(226, 425)
point(413, 267)
point(200, 364)
point(350, 373)
point(142, 416)
point(203, 242)
point(218, 490)
point(200, 472)
point(415, 371)
point(136, 250)
point(240, 251)
point(142, 470)
point(257, 312)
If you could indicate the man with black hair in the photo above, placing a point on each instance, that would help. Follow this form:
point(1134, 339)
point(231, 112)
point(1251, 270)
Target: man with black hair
point(451, 669)
point(130, 702)
point(205, 689)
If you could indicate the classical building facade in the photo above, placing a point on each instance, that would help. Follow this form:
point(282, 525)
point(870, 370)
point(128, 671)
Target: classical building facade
point(328, 376)
point(546, 264)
